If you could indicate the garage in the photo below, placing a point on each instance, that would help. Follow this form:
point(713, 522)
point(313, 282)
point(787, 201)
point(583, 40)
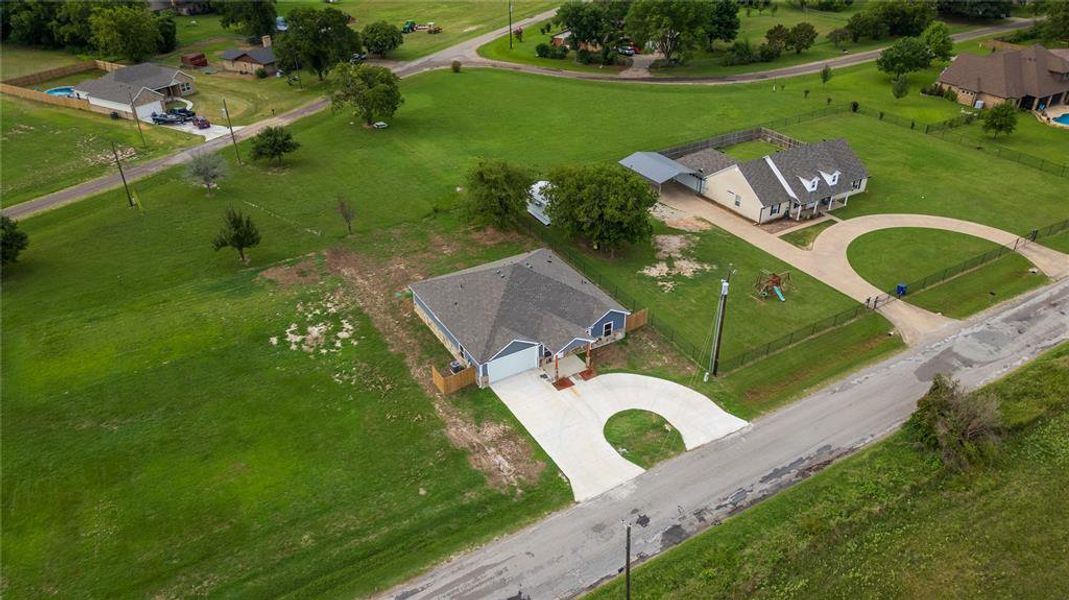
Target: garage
point(512, 364)
point(659, 169)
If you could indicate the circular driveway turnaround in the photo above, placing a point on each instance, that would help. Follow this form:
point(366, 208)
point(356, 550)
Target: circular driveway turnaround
point(569, 424)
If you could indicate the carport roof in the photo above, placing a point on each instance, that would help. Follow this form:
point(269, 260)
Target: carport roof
point(655, 167)
point(533, 297)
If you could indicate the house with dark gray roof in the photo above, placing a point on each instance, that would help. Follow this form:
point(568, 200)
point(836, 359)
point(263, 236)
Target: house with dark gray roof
point(1031, 78)
point(146, 87)
point(249, 60)
point(517, 314)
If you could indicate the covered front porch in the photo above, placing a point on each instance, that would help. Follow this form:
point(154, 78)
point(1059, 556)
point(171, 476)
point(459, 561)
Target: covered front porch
point(806, 211)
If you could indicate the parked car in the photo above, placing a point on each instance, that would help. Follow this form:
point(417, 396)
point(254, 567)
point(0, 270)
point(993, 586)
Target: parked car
point(166, 119)
point(201, 123)
point(357, 57)
point(380, 125)
point(626, 50)
point(185, 113)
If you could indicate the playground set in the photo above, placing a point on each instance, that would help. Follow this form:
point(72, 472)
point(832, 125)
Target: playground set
point(411, 26)
point(769, 283)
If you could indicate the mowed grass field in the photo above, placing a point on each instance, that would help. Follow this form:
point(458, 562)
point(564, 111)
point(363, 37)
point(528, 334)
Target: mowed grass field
point(891, 522)
point(47, 148)
point(523, 52)
point(931, 251)
point(158, 443)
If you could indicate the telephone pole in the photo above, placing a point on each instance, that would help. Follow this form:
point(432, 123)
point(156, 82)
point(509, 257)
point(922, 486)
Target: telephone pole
point(118, 163)
point(721, 309)
point(233, 139)
point(510, 24)
point(133, 111)
point(627, 565)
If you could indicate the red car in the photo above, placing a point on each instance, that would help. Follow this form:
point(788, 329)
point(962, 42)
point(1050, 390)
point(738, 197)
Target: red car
point(201, 122)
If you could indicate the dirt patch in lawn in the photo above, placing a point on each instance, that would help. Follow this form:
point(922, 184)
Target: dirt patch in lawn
point(305, 272)
point(494, 448)
point(677, 219)
point(672, 262)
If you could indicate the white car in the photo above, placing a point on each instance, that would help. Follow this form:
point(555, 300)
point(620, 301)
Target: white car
point(380, 125)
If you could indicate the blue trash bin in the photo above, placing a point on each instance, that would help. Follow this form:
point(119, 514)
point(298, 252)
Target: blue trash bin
point(900, 290)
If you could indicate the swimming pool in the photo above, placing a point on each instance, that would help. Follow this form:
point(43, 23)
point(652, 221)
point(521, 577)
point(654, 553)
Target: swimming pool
point(61, 91)
point(1063, 119)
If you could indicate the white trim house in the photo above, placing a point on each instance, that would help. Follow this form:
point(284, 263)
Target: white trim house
point(517, 314)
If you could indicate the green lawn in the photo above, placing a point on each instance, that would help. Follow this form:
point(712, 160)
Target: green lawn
point(524, 53)
point(16, 61)
point(907, 255)
point(750, 150)
point(158, 443)
point(47, 148)
point(915, 173)
point(642, 437)
point(892, 523)
point(1059, 242)
point(459, 19)
point(803, 238)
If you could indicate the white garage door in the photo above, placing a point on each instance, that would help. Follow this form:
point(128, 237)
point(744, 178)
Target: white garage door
point(514, 363)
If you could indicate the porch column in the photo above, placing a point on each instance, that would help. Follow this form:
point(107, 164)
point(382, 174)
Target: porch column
point(589, 353)
point(556, 367)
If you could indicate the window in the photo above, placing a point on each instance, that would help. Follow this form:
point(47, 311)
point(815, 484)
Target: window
point(856, 184)
point(606, 329)
point(774, 210)
point(826, 201)
point(186, 87)
point(738, 200)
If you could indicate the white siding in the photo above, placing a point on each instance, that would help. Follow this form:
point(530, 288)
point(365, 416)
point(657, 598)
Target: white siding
point(726, 186)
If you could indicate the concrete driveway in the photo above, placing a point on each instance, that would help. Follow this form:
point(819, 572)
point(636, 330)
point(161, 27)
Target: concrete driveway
point(569, 424)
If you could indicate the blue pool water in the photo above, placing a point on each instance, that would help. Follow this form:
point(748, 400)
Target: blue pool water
point(61, 91)
point(1063, 119)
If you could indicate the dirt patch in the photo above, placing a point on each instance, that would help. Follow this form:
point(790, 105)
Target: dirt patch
point(493, 237)
point(495, 449)
point(677, 219)
point(671, 250)
point(305, 272)
point(320, 327)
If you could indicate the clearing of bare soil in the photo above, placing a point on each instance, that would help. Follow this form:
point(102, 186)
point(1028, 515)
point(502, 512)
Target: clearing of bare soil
point(671, 251)
point(677, 219)
point(305, 272)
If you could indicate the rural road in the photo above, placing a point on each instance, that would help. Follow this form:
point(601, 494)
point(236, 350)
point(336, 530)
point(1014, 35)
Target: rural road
point(467, 53)
point(575, 549)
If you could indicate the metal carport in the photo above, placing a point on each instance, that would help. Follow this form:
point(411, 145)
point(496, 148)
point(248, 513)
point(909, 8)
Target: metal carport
point(659, 168)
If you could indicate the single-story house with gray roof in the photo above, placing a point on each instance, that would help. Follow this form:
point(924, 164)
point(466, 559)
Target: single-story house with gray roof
point(146, 86)
point(248, 60)
point(797, 183)
point(516, 314)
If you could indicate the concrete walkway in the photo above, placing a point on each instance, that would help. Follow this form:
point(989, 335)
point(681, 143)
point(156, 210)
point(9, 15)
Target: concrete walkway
point(569, 424)
point(827, 261)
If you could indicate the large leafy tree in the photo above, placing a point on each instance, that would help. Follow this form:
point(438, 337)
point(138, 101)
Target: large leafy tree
point(903, 17)
point(273, 142)
point(720, 20)
point(251, 17)
point(238, 233)
point(381, 37)
point(976, 9)
point(1000, 119)
point(671, 25)
point(497, 192)
point(317, 39)
point(937, 37)
point(778, 36)
point(604, 204)
point(131, 33)
point(12, 240)
point(906, 55)
point(801, 37)
point(1056, 25)
point(30, 22)
point(599, 23)
point(372, 92)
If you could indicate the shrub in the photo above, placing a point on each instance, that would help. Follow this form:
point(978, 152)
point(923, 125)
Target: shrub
point(545, 50)
point(584, 57)
point(951, 95)
point(854, 106)
point(933, 89)
point(455, 65)
point(542, 50)
point(261, 73)
point(962, 429)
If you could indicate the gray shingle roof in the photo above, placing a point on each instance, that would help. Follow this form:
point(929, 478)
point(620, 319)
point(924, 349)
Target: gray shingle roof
point(260, 56)
point(120, 85)
point(1033, 71)
point(804, 162)
point(655, 167)
point(707, 161)
point(533, 297)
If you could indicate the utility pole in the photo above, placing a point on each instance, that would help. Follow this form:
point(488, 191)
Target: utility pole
point(118, 163)
point(133, 111)
point(510, 24)
point(627, 565)
point(721, 309)
point(233, 139)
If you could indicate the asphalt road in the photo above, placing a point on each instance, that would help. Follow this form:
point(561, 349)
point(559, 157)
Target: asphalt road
point(575, 549)
point(466, 52)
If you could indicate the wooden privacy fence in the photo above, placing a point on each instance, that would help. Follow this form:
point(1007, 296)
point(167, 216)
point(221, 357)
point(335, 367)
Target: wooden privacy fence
point(637, 320)
point(50, 74)
point(16, 86)
point(447, 384)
